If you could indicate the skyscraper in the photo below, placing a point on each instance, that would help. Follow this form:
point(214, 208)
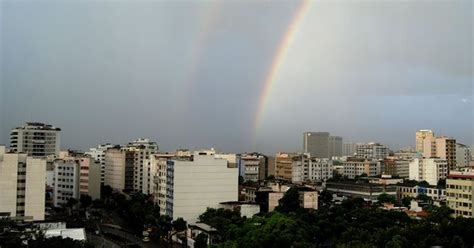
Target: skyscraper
point(316, 144)
point(335, 146)
point(35, 139)
point(420, 136)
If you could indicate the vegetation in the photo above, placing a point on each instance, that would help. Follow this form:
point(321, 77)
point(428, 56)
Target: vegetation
point(351, 224)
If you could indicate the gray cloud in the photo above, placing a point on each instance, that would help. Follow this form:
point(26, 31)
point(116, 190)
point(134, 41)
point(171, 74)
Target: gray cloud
point(190, 74)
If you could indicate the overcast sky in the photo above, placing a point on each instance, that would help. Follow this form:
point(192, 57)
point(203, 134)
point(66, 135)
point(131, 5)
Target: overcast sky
point(189, 74)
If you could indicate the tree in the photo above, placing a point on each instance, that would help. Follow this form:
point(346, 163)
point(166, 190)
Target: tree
point(200, 241)
point(180, 225)
point(406, 201)
point(71, 202)
point(384, 198)
point(85, 200)
point(290, 201)
point(98, 203)
point(106, 191)
point(424, 198)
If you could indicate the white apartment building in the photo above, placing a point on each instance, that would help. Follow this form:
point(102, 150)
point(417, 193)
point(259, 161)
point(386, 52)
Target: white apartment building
point(119, 166)
point(22, 185)
point(192, 185)
point(90, 177)
point(98, 153)
point(430, 170)
point(66, 181)
point(35, 139)
point(463, 155)
point(320, 169)
point(353, 168)
point(372, 151)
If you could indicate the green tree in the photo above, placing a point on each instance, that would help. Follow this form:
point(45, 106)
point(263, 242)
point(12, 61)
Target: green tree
point(385, 198)
point(86, 201)
point(406, 201)
point(290, 202)
point(200, 241)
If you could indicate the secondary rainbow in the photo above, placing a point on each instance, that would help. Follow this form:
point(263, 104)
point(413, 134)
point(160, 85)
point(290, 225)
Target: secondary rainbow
point(277, 60)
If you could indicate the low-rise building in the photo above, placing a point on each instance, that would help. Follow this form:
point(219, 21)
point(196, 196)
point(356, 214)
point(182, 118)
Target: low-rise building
point(356, 167)
point(372, 151)
point(246, 209)
point(368, 191)
point(437, 194)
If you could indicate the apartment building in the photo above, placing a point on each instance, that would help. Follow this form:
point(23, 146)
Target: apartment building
point(438, 194)
point(357, 167)
point(89, 177)
point(463, 156)
point(142, 149)
point(430, 170)
point(441, 147)
point(421, 135)
point(395, 166)
point(284, 165)
point(460, 193)
point(22, 185)
point(66, 181)
point(98, 153)
point(119, 169)
point(196, 183)
point(35, 139)
point(372, 151)
point(349, 149)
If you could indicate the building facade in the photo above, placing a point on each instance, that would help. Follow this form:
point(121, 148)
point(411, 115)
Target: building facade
point(98, 153)
point(358, 167)
point(119, 165)
point(430, 170)
point(421, 135)
point(35, 139)
point(441, 147)
point(66, 181)
point(372, 151)
point(460, 193)
point(22, 185)
point(316, 144)
point(349, 149)
point(463, 156)
point(90, 177)
point(192, 185)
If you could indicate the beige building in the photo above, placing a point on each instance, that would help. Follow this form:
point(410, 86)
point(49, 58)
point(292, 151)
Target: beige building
point(441, 147)
point(119, 165)
point(460, 193)
point(90, 177)
point(22, 185)
point(395, 166)
point(284, 165)
point(421, 135)
point(35, 139)
point(357, 167)
point(142, 149)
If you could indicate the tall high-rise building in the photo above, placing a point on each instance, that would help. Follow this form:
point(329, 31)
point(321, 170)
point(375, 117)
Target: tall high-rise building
point(22, 185)
point(420, 136)
point(349, 149)
point(119, 165)
point(322, 145)
point(316, 144)
point(35, 139)
point(196, 183)
point(98, 153)
point(142, 149)
point(441, 147)
point(335, 146)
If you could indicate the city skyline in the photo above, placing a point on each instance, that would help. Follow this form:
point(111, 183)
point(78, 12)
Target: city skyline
point(234, 79)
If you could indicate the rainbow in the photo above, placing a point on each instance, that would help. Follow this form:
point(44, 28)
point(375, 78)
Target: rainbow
point(277, 60)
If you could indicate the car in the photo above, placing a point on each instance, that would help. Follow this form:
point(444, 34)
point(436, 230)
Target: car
point(146, 239)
